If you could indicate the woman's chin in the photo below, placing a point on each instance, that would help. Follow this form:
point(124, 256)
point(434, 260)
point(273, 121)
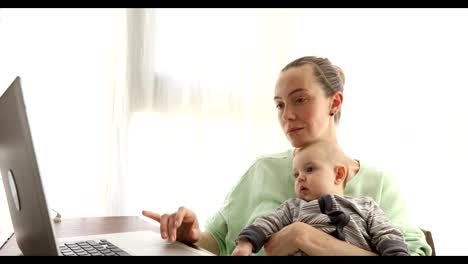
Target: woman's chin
point(296, 142)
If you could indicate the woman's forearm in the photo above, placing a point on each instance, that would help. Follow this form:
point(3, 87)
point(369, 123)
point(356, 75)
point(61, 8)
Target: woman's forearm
point(328, 245)
point(208, 242)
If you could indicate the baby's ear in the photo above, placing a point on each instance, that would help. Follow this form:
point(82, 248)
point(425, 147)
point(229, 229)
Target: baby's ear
point(340, 174)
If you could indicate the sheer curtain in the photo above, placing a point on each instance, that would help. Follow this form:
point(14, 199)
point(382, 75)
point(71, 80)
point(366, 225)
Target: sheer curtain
point(205, 111)
point(73, 64)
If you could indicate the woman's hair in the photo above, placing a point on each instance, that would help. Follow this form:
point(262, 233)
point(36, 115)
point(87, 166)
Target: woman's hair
point(330, 76)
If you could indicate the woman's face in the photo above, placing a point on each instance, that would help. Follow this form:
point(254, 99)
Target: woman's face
point(303, 109)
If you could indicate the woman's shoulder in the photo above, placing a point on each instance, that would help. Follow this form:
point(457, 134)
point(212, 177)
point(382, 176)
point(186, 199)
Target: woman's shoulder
point(275, 162)
point(267, 166)
point(285, 155)
point(268, 180)
point(371, 180)
point(376, 172)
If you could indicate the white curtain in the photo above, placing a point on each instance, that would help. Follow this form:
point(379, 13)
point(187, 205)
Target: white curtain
point(73, 64)
point(206, 110)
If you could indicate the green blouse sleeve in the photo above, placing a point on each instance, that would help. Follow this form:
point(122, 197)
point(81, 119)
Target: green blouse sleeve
point(216, 226)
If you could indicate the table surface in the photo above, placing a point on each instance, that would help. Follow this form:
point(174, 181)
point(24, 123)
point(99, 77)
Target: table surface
point(88, 226)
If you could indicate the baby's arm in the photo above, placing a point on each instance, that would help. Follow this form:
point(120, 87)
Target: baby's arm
point(386, 237)
point(265, 226)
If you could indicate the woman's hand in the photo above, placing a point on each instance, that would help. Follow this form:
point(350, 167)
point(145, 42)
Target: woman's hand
point(311, 241)
point(181, 225)
point(285, 242)
point(243, 248)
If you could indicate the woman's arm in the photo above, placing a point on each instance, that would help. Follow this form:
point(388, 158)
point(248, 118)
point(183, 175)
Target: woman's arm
point(207, 242)
point(315, 242)
point(310, 240)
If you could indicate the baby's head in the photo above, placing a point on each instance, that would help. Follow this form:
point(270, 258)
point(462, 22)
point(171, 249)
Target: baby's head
point(319, 169)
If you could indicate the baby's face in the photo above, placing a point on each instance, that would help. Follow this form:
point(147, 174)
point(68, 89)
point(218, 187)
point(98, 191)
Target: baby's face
point(314, 175)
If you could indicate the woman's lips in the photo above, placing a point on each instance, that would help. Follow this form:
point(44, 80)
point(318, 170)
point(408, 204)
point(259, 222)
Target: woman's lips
point(293, 130)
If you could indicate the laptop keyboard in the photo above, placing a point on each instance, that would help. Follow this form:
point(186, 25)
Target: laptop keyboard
point(91, 248)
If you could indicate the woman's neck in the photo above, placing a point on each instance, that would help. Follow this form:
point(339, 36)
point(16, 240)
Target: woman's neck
point(330, 134)
point(353, 165)
point(353, 168)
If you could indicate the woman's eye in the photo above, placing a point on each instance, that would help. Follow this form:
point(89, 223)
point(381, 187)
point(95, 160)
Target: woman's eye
point(279, 106)
point(309, 169)
point(300, 100)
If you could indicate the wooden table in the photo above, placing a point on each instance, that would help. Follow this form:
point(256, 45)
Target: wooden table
point(88, 226)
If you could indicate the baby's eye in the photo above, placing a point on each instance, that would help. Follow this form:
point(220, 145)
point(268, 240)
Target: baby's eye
point(296, 174)
point(310, 169)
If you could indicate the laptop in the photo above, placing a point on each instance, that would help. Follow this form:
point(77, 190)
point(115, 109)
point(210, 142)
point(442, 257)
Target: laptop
point(6, 227)
point(27, 203)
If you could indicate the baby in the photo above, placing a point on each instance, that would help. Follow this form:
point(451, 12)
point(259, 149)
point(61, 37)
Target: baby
point(320, 175)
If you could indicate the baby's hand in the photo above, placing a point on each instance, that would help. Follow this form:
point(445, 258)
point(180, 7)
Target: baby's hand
point(243, 248)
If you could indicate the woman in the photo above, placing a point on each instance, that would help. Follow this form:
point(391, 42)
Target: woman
point(308, 98)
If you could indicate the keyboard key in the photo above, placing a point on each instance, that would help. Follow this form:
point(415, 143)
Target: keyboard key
point(91, 248)
point(92, 242)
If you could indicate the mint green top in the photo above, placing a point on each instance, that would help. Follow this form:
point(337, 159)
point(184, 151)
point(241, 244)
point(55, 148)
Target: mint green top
point(269, 182)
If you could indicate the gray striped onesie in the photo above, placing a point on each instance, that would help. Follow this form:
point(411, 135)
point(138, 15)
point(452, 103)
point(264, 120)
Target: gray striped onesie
point(359, 221)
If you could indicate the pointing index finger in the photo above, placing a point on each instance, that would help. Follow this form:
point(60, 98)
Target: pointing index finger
point(152, 215)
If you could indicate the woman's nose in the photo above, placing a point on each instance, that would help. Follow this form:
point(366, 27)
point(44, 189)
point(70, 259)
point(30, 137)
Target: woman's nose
point(288, 114)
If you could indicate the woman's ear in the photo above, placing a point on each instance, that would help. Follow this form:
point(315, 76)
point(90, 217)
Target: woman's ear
point(336, 102)
point(340, 174)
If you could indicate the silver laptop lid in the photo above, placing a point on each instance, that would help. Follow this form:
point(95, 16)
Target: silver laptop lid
point(21, 179)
